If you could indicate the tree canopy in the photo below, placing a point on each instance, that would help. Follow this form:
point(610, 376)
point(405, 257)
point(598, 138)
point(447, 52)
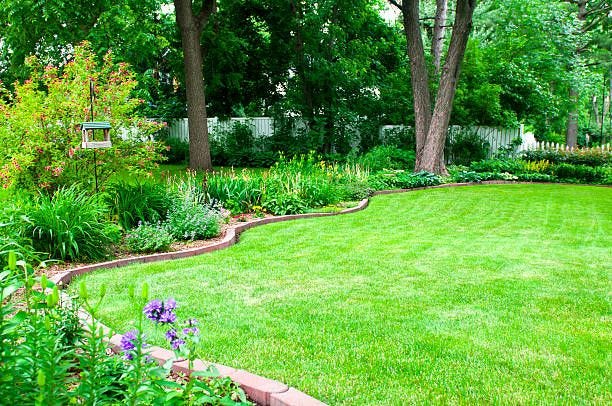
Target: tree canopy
point(340, 64)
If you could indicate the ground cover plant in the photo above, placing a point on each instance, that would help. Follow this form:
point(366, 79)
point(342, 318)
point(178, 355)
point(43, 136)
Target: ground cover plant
point(484, 294)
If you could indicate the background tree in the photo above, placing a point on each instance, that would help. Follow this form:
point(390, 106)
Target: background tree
point(191, 25)
point(431, 126)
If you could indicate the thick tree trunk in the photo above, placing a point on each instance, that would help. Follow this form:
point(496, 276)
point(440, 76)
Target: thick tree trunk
point(419, 76)
point(191, 27)
point(437, 40)
point(432, 157)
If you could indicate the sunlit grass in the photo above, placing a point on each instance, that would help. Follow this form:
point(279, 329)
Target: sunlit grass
point(485, 294)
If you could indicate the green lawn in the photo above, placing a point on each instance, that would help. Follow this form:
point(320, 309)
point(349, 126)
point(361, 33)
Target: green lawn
point(484, 294)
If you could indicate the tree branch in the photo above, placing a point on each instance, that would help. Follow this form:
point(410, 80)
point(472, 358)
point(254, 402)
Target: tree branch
point(395, 3)
point(208, 7)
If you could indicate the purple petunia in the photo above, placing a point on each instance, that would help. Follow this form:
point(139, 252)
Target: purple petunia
point(161, 312)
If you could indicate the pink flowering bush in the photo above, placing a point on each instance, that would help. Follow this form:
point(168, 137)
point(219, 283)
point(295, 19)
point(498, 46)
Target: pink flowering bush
point(40, 124)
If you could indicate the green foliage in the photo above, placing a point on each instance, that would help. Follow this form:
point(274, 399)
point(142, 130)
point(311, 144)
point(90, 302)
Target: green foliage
point(14, 236)
point(139, 202)
point(387, 157)
point(403, 180)
point(464, 147)
point(536, 177)
point(591, 157)
point(578, 173)
point(71, 224)
point(238, 192)
point(148, 238)
point(176, 151)
point(189, 217)
point(497, 165)
point(40, 124)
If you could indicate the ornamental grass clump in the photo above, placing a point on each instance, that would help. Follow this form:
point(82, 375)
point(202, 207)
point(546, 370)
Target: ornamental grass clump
point(71, 225)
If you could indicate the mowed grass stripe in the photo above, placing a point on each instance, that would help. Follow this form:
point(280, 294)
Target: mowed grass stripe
point(479, 294)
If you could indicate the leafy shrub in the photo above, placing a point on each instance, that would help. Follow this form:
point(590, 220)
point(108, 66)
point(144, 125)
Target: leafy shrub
point(71, 225)
point(497, 165)
point(191, 221)
point(536, 177)
point(189, 217)
point(176, 151)
point(590, 157)
point(580, 173)
point(468, 176)
point(464, 147)
point(149, 238)
point(139, 202)
point(285, 203)
point(387, 157)
point(403, 180)
point(40, 127)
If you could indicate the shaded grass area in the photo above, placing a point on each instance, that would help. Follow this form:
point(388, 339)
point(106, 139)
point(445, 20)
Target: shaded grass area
point(486, 294)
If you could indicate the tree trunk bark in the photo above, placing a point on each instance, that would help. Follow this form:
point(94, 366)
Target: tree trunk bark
point(419, 76)
point(432, 159)
point(191, 27)
point(437, 40)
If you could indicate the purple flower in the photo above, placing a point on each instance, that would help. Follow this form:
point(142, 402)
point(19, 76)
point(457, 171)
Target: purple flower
point(128, 343)
point(171, 334)
point(176, 344)
point(175, 341)
point(161, 312)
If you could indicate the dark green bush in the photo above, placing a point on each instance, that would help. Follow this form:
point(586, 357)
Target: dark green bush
point(403, 180)
point(72, 225)
point(176, 151)
point(387, 157)
point(149, 238)
point(497, 165)
point(536, 177)
point(464, 147)
point(140, 202)
point(578, 173)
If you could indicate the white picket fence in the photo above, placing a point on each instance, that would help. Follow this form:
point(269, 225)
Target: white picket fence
point(552, 146)
point(263, 127)
point(496, 137)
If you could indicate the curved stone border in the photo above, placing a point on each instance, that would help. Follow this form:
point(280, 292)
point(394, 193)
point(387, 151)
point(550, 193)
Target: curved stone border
point(264, 391)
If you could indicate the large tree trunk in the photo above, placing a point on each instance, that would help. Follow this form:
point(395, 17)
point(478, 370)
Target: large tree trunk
point(437, 40)
point(432, 156)
point(191, 26)
point(419, 76)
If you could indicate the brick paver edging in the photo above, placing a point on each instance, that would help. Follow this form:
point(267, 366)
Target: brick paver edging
point(264, 391)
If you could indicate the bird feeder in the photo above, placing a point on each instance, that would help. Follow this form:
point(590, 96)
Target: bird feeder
point(88, 130)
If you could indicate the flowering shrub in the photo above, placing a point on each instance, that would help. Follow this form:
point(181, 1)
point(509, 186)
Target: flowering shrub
point(40, 124)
